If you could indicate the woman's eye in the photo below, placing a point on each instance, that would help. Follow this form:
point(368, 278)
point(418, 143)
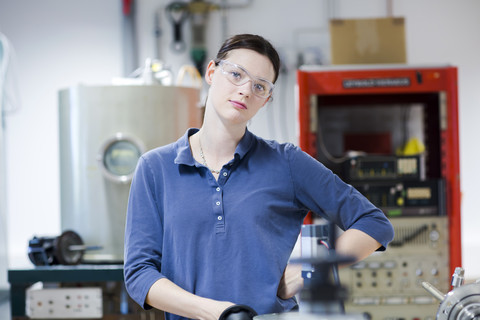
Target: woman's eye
point(259, 87)
point(236, 74)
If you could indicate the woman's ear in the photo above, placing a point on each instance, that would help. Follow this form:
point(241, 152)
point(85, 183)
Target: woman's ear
point(209, 72)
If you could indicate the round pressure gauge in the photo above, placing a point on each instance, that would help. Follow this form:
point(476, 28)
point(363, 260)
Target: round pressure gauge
point(119, 156)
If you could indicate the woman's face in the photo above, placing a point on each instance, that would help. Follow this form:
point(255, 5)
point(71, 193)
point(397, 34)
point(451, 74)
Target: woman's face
point(238, 103)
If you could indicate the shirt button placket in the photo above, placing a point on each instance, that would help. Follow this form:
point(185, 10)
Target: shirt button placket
point(220, 224)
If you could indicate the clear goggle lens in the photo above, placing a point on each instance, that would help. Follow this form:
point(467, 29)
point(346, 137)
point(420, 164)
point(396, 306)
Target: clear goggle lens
point(239, 76)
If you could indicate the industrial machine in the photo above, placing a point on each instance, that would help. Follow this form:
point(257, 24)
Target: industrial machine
point(66, 249)
point(391, 131)
point(461, 303)
point(103, 132)
point(322, 296)
point(63, 303)
point(384, 283)
point(373, 279)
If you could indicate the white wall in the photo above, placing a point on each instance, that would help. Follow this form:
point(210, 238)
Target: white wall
point(61, 43)
point(3, 193)
point(445, 32)
point(57, 44)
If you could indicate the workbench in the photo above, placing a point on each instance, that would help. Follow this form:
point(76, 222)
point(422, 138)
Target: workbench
point(21, 279)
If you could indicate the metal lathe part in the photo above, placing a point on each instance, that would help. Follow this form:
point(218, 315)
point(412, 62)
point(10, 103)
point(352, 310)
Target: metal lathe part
point(82, 247)
point(458, 277)
point(462, 303)
point(437, 294)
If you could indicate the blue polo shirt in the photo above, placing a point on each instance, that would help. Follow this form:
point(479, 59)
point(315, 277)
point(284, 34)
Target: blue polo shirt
point(231, 239)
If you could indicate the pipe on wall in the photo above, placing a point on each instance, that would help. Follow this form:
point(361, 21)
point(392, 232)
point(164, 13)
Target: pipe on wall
point(130, 40)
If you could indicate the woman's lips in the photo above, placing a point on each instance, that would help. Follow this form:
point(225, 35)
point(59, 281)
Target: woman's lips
point(238, 104)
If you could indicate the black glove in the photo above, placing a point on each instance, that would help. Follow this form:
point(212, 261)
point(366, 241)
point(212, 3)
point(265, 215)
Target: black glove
point(238, 312)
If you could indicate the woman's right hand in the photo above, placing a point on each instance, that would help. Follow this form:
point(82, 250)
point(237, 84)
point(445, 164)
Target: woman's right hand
point(214, 309)
point(167, 296)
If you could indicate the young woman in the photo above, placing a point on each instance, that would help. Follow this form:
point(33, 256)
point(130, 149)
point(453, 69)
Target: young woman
point(213, 218)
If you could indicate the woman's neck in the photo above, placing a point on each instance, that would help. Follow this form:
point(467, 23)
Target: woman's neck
point(219, 136)
point(214, 146)
point(218, 146)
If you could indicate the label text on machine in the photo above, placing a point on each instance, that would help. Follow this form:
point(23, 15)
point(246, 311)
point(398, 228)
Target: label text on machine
point(379, 82)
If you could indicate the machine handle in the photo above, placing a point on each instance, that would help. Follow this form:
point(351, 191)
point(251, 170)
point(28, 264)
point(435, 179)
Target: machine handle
point(238, 312)
point(82, 247)
point(437, 294)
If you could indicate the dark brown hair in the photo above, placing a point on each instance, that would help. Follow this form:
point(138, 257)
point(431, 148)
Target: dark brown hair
point(252, 42)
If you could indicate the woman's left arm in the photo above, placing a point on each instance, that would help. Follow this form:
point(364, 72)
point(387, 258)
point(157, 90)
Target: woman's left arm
point(319, 190)
point(356, 243)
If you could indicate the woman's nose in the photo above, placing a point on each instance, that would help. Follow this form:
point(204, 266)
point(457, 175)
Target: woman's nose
point(246, 88)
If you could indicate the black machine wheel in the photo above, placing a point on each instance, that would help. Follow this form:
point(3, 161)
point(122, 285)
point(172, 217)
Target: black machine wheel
point(62, 248)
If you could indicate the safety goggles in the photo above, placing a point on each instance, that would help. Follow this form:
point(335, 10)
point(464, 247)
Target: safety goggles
point(239, 76)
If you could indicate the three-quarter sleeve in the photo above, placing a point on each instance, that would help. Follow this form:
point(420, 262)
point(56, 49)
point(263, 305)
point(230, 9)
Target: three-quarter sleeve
point(321, 191)
point(143, 234)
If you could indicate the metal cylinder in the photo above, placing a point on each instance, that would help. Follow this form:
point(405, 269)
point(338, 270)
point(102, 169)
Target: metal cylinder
point(462, 303)
point(103, 131)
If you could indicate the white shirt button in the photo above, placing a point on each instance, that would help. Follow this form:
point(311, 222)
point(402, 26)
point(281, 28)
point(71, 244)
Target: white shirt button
point(217, 203)
point(218, 189)
point(225, 174)
point(219, 218)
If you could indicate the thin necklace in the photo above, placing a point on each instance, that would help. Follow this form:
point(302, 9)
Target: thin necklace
point(205, 161)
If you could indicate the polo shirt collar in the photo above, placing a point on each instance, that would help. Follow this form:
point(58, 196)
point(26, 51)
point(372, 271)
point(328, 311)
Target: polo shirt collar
point(184, 155)
point(244, 145)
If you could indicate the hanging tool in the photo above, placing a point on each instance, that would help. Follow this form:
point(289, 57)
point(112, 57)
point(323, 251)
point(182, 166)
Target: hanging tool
point(177, 12)
point(129, 35)
point(199, 11)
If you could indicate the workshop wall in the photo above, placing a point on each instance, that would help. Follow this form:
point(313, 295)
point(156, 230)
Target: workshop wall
point(57, 44)
point(3, 207)
point(443, 32)
point(63, 43)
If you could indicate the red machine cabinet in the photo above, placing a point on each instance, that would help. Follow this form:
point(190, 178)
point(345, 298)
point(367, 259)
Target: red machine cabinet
point(398, 83)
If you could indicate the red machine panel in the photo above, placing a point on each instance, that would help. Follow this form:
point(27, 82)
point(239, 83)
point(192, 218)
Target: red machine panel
point(433, 87)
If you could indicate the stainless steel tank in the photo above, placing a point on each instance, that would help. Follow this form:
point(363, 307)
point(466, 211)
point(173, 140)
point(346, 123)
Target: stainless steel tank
point(103, 131)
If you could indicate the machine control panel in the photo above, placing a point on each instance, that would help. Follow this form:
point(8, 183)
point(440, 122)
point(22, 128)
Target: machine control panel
point(388, 285)
point(399, 168)
point(64, 303)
